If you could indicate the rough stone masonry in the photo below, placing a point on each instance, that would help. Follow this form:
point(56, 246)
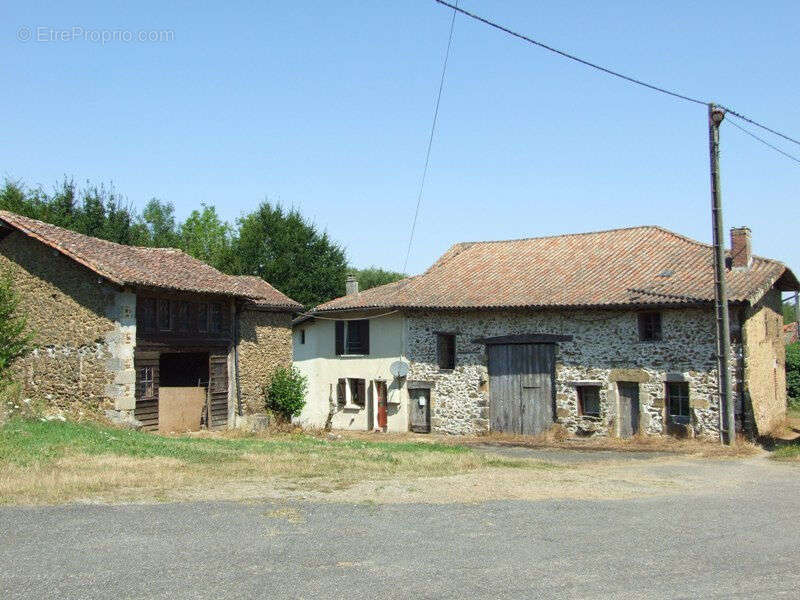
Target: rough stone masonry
point(605, 348)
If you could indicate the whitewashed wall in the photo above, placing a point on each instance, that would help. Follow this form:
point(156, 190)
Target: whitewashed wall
point(317, 359)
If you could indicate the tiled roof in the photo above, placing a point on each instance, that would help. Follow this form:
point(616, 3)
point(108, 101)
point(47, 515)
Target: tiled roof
point(635, 266)
point(164, 268)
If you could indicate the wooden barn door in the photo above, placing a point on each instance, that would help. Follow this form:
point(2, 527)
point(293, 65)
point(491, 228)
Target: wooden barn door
point(218, 390)
point(147, 385)
point(628, 408)
point(521, 383)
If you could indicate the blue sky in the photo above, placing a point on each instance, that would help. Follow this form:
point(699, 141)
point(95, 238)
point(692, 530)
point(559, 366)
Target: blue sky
point(326, 106)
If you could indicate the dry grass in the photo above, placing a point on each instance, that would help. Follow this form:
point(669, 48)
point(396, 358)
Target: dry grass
point(54, 462)
point(49, 463)
point(556, 438)
point(639, 443)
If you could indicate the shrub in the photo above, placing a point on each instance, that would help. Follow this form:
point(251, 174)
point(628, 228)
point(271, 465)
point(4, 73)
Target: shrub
point(285, 394)
point(14, 335)
point(793, 372)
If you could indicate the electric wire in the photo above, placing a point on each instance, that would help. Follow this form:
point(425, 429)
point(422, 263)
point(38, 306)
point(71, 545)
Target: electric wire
point(763, 141)
point(612, 72)
point(430, 140)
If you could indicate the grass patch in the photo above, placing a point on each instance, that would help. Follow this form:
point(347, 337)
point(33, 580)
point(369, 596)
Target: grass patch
point(54, 461)
point(787, 453)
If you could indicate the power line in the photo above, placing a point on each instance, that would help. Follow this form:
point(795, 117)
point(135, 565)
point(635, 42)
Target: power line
point(763, 141)
point(571, 56)
point(610, 71)
point(430, 139)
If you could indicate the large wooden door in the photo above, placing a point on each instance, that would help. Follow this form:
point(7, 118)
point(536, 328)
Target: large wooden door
point(628, 408)
point(521, 384)
point(420, 410)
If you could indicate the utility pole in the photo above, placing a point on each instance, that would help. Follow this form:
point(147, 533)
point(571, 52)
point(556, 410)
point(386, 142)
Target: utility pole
point(715, 117)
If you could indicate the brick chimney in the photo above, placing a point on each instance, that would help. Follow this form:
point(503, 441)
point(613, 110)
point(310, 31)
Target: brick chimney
point(741, 248)
point(351, 286)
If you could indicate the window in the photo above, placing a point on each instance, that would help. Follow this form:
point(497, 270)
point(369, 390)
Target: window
point(182, 316)
point(302, 336)
point(146, 382)
point(446, 344)
point(589, 400)
point(146, 314)
point(215, 318)
point(650, 327)
point(164, 315)
point(352, 337)
point(678, 401)
point(202, 317)
point(358, 391)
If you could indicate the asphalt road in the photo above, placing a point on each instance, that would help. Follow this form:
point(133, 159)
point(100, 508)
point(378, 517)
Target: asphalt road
point(743, 543)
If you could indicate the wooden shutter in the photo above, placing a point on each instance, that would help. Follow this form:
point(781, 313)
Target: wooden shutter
point(365, 336)
point(339, 338)
point(218, 390)
point(341, 391)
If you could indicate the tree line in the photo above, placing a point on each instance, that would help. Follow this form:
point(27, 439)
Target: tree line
point(272, 242)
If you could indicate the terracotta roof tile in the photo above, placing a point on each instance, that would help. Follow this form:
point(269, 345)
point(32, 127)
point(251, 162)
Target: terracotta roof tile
point(165, 268)
point(634, 266)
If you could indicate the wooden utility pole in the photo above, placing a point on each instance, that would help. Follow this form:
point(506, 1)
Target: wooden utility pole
point(728, 433)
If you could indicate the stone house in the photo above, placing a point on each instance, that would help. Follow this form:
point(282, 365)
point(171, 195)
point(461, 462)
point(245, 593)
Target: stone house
point(140, 331)
point(606, 333)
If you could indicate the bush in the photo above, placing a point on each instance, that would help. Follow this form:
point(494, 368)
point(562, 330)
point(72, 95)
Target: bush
point(793, 373)
point(14, 335)
point(285, 394)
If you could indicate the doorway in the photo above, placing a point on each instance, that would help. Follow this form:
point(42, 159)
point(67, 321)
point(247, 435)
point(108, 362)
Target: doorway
point(383, 404)
point(628, 393)
point(521, 387)
point(420, 410)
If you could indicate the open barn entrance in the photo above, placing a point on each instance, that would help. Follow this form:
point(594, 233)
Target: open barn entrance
point(184, 369)
point(181, 391)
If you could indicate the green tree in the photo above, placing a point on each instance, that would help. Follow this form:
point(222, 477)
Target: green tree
point(793, 372)
point(206, 237)
point(788, 312)
point(158, 220)
point(287, 251)
point(373, 277)
point(285, 394)
point(14, 335)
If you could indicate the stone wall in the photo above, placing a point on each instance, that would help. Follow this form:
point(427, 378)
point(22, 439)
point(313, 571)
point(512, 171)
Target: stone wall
point(765, 363)
point(84, 330)
point(605, 349)
point(265, 343)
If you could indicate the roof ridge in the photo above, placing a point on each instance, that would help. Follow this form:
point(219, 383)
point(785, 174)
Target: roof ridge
point(564, 235)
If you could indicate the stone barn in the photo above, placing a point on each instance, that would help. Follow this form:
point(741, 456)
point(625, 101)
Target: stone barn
point(150, 335)
point(606, 333)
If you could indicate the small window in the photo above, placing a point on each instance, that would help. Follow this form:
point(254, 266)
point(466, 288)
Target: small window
point(678, 401)
point(146, 383)
point(352, 337)
point(146, 314)
point(183, 317)
point(589, 400)
point(215, 318)
point(164, 315)
point(650, 327)
point(446, 344)
point(358, 391)
point(302, 336)
point(202, 317)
